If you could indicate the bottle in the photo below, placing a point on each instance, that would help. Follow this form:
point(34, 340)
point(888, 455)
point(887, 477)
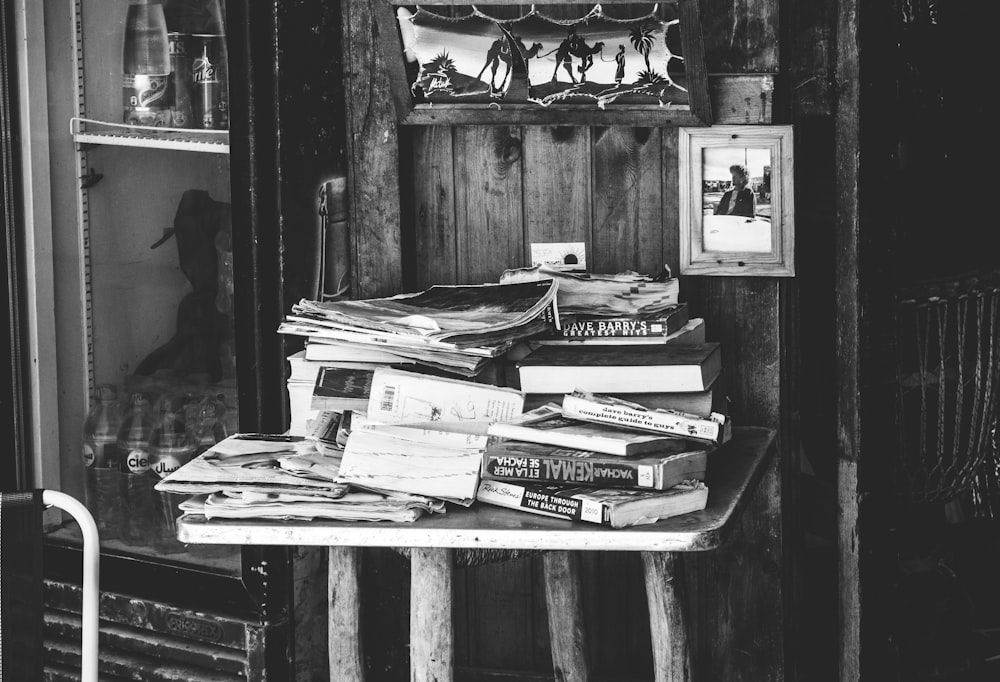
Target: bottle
point(134, 434)
point(180, 80)
point(207, 421)
point(172, 443)
point(146, 65)
point(137, 501)
point(100, 429)
point(101, 457)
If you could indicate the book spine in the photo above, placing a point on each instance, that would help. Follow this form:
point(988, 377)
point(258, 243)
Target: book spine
point(655, 421)
point(563, 469)
point(537, 500)
point(622, 327)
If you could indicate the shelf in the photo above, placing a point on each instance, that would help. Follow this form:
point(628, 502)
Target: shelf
point(87, 131)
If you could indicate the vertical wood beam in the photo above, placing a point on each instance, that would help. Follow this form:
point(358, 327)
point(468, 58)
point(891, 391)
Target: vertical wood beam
point(667, 622)
point(432, 636)
point(567, 631)
point(344, 629)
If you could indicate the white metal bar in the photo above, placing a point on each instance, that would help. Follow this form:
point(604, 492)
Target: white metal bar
point(90, 626)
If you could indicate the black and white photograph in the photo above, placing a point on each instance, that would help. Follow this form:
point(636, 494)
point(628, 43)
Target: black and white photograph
point(499, 341)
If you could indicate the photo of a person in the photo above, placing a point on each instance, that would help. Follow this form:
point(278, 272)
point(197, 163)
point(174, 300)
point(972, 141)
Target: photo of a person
point(740, 199)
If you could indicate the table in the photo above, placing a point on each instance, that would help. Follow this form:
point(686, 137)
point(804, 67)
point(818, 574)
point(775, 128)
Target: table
point(733, 473)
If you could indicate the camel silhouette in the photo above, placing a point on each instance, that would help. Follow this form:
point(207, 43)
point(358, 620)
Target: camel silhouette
point(500, 52)
point(575, 46)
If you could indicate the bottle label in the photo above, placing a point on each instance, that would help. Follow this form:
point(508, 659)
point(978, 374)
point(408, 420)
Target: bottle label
point(137, 461)
point(168, 462)
point(145, 91)
point(204, 71)
point(89, 457)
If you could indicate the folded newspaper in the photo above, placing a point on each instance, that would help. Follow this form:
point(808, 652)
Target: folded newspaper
point(354, 506)
point(258, 463)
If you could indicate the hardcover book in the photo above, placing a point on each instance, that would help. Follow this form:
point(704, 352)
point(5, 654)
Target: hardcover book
point(620, 369)
point(693, 331)
point(658, 325)
point(614, 507)
point(602, 409)
point(701, 403)
point(510, 460)
point(547, 425)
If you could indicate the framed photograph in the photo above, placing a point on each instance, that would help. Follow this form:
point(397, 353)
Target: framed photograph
point(736, 201)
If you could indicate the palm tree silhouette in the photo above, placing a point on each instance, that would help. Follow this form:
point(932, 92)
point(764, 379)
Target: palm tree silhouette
point(642, 40)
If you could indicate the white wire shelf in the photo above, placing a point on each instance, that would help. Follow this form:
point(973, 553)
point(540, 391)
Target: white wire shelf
point(89, 131)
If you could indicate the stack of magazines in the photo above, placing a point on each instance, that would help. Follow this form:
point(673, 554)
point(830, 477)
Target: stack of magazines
point(458, 329)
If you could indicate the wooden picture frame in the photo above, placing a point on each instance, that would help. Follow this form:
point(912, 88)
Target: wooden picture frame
point(744, 233)
point(696, 111)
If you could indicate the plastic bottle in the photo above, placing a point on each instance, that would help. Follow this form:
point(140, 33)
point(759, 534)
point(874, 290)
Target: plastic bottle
point(134, 434)
point(100, 429)
point(146, 65)
point(101, 457)
point(137, 495)
point(172, 443)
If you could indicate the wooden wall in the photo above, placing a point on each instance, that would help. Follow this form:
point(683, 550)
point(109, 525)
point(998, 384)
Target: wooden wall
point(455, 204)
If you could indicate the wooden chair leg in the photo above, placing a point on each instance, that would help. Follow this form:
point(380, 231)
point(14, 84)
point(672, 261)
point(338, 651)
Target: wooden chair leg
point(667, 624)
point(344, 619)
point(563, 587)
point(432, 638)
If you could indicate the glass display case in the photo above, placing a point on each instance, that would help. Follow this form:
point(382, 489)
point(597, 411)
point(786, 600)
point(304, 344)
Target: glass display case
point(152, 287)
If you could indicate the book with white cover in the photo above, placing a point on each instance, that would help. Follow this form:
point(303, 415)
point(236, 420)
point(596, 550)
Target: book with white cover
point(399, 397)
point(602, 409)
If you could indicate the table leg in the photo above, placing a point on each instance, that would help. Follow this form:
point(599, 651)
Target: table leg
point(432, 639)
point(563, 587)
point(344, 619)
point(665, 597)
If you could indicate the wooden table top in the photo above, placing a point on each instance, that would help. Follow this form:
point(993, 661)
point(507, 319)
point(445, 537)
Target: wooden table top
point(733, 472)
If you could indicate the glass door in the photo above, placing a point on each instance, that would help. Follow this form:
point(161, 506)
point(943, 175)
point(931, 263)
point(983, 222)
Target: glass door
point(142, 275)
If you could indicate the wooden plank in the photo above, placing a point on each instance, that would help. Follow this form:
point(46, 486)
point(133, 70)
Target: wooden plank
point(373, 152)
point(432, 218)
point(488, 201)
point(628, 230)
point(432, 641)
point(343, 623)
point(554, 114)
point(740, 37)
point(744, 314)
point(557, 183)
point(564, 605)
point(664, 576)
point(742, 99)
point(670, 256)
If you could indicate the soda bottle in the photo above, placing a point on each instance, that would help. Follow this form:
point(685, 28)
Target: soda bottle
point(207, 421)
point(146, 65)
point(180, 80)
point(100, 429)
point(171, 443)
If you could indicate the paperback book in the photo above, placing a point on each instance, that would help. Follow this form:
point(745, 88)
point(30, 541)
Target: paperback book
point(510, 460)
point(399, 397)
point(548, 425)
point(602, 409)
point(614, 507)
point(620, 369)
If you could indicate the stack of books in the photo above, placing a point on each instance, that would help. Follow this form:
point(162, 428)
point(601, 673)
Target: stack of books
point(457, 331)
point(549, 464)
